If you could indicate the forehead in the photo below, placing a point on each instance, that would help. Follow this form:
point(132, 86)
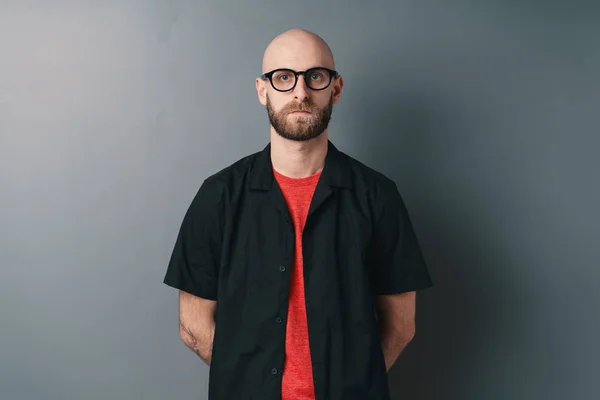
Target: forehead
point(298, 55)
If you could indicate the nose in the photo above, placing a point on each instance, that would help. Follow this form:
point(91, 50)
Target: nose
point(301, 90)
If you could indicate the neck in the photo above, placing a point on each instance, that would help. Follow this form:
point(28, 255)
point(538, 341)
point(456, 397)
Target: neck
point(298, 159)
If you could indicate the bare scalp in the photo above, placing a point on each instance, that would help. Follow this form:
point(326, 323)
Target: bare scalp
point(297, 48)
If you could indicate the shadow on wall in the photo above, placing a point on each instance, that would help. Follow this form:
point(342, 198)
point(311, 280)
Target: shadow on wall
point(456, 316)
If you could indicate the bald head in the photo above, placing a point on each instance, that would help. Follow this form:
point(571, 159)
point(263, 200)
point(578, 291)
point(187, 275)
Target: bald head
point(299, 108)
point(297, 49)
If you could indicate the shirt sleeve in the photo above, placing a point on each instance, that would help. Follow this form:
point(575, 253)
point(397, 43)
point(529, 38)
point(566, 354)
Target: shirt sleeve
point(194, 262)
point(396, 259)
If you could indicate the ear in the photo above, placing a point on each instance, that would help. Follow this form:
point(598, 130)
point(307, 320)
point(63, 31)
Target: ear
point(261, 90)
point(337, 89)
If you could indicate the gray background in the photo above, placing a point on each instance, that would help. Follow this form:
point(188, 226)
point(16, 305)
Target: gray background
point(485, 114)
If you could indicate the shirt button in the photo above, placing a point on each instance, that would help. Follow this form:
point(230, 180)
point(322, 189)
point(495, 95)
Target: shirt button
point(282, 268)
point(279, 320)
point(274, 371)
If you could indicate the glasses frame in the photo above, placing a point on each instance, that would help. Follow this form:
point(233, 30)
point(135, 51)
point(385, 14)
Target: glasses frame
point(269, 75)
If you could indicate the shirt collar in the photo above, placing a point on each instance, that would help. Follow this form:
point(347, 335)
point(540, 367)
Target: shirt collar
point(336, 171)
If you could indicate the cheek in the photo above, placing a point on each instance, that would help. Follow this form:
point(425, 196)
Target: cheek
point(322, 100)
point(276, 103)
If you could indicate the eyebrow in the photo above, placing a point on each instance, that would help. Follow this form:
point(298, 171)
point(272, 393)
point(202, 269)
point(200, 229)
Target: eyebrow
point(293, 69)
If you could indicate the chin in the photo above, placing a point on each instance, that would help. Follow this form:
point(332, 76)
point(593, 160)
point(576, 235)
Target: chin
point(298, 117)
point(302, 118)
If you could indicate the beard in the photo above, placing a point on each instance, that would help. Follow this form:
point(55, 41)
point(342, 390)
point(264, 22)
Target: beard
point(300, 127)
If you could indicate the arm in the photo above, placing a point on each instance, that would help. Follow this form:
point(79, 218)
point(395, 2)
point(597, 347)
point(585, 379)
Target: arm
point(398, 270)
point(194, 269)
point(397, 324)
point(197, 324)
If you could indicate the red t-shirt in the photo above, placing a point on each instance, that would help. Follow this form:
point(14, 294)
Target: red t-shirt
point(297, 379)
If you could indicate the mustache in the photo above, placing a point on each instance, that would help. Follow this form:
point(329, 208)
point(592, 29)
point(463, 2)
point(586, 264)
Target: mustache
point(307, 107)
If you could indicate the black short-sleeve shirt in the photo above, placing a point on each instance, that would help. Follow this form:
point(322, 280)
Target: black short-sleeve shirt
point(236, 246)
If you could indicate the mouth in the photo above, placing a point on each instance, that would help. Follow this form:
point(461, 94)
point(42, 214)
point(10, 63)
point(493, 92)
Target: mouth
point(300, 112)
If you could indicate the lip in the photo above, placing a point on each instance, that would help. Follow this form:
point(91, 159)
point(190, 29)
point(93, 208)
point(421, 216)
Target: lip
point(300, 112)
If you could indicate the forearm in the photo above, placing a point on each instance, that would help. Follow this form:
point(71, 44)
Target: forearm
point(199, 338)
point(393, 342)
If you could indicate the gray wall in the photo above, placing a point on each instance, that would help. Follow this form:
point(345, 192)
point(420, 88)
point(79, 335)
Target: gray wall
point(485, 113)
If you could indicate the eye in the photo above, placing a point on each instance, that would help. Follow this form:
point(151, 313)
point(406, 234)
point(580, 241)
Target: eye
point(315, 76)
point(282, 76)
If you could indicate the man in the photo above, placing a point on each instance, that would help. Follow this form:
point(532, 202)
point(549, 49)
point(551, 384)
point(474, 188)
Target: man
point(297, 265)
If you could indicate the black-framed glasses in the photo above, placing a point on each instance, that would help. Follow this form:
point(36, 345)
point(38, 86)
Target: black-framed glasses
point(284, 80)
